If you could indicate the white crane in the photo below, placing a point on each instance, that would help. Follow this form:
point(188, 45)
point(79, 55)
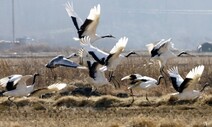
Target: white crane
point(96, 76)
point(15, 86)
point(186, 87)
point(144, 82)
point(162, 52)
point(109, 60)
point(88, 28)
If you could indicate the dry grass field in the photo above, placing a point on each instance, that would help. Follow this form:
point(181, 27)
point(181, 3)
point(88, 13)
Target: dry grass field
point(107, 110)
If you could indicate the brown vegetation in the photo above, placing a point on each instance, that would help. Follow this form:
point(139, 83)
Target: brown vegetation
point(106, 110)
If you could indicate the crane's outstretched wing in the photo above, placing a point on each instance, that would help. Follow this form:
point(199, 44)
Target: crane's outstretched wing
point(21, 84)
point(12, 78)
point(153, 48)
point(132, 77)
point(51, 88)
point(71, 13)
point(192, 78)
point(115, 52)
point(98, 55)
point(159, 48)
point(88, 28)
point(120, 46)
point(60, 60)
point(175, 78)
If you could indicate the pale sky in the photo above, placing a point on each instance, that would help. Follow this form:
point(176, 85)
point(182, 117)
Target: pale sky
point(187, 22)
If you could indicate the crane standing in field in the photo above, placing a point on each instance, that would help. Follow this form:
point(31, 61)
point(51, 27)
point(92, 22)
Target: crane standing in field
point(15, 86)
point(185, 87)
point(88, 28)
point(144, 82)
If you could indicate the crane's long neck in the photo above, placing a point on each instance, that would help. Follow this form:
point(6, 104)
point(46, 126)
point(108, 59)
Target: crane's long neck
point(182, 53)
point(130, 53)
point(72, 55)
point(206, 84)
point(159, 79)
point(107, 36)
point(30, 88)
point(34, 78)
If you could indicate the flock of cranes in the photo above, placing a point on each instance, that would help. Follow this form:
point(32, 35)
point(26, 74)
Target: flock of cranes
point(98, 62)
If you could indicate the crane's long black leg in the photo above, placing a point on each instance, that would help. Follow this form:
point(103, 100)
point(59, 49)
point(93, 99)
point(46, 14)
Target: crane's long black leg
point(110, 76)
point(118, 84)
point(115, 83)
point(11, 102)
point(131, 92)
point(147, 98)
point(109, 79)
point(163, 73)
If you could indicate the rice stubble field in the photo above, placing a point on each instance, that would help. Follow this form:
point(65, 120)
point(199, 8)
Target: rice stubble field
point(107, 110)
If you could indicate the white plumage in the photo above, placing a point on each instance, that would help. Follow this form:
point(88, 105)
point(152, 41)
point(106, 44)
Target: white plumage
point(98, 55)
point(15, 85)
point(49, 89)
point(161, 50)
point(13, 78)
point(186, 87)
point(88, 28)
point(115, 56)
point(57, 86)
point(109, 60)
point(112, 59)
point(70, 10)
point(144, 82)
point(96, 76)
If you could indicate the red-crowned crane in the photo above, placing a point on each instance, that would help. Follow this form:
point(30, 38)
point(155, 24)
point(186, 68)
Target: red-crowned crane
point(109, 60)
point(88, 28)
point(162, 51)
point(144, 82)
point(186, 87)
